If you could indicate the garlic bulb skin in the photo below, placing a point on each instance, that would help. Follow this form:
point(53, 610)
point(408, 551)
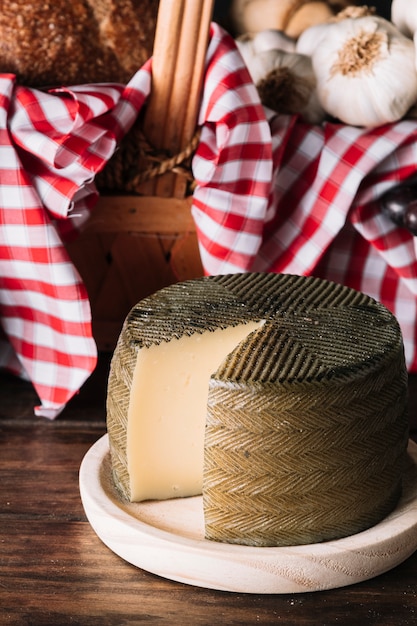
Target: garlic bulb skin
point(308, 15)
point(404, 16)
point(257, 67)
point(271, 39)
point(252, 16)
point(285, 80)
point(292, 85)
point(309, 39)
point(365, 71)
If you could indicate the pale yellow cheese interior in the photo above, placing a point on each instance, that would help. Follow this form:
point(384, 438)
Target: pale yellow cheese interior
point(167, 412)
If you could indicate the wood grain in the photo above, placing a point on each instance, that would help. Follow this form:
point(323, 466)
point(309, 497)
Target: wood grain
point(180, 47)
point(161, 205)
point(54, 570)
point(141, 214)
point(168, 538)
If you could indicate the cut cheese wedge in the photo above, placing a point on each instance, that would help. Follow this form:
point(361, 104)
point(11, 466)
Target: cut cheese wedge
point(168, 409)
point(282, 399)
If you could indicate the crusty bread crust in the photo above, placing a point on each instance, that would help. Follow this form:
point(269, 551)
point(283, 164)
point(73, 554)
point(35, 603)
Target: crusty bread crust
point(53, 42)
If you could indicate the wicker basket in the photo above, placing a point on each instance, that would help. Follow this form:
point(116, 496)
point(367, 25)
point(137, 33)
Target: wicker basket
point(141, 235)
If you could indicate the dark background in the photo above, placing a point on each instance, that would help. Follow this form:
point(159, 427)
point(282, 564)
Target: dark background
point(383, 8)
point(221, 9)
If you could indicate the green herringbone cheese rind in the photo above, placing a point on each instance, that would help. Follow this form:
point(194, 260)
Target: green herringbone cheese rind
point(307, 429)
point(305, 465)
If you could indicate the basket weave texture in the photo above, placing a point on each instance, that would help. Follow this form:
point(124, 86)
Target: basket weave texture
point(142, 236)
point(136, 161)
point(138, 243)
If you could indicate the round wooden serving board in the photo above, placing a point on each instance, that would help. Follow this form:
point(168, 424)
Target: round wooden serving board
point(167, 539)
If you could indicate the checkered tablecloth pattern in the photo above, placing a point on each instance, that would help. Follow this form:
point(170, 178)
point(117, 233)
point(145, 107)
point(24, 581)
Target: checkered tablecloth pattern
point(272, 194)
point(325, 219)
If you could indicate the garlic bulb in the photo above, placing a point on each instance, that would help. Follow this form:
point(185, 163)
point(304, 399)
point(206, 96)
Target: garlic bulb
point(308, 15)
point(404, 16)
point(354, 11)
point(252, 16)
point(365, 71)
point(290, 16)
point(285, 80)
point(309, 39)
point(272, 39)
point(256, 68)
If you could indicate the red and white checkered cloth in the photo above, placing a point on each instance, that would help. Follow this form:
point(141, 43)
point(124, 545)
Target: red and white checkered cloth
point(272, 195)
point(325, 218)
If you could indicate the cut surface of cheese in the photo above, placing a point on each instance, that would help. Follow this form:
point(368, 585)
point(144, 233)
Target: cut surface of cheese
point(299, 431)
point(167, 412)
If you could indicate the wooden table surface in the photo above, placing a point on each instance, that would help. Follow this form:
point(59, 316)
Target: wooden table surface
point(55, 570)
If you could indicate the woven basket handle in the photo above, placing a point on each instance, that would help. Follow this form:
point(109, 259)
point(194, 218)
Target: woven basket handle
point(180, 47)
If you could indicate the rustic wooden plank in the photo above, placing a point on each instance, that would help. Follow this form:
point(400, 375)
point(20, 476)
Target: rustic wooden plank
point(106, 333)
point(54, 572)
point(109, 301)
point(88, 253)
point(140, 214)
point(185, 257)
point(54, 569)
point(142, 266)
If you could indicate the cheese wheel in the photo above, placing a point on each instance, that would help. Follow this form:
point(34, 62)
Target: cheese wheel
point(282, 399)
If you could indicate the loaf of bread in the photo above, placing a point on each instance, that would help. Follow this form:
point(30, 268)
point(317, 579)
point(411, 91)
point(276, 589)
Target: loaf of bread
point(64, 42)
